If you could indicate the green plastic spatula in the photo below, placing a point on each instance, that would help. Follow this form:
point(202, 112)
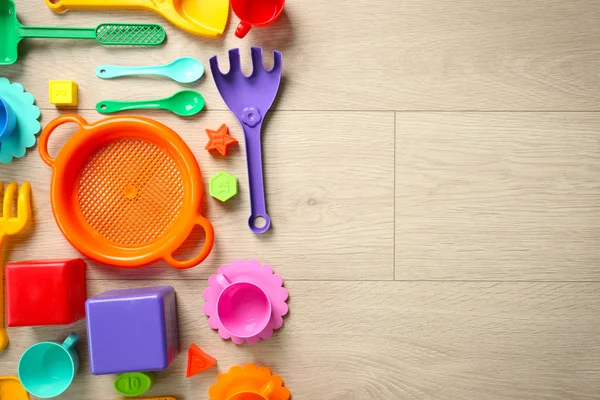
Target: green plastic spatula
point(185, 103)
point(12, 32)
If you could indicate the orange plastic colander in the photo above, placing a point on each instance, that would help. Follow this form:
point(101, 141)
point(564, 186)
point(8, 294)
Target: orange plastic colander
point(126, 191)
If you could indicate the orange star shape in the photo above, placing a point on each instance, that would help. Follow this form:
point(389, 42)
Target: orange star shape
point(220, 140)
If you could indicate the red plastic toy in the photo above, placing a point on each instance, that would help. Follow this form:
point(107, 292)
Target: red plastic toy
point(45, 292)
point(198, 361)
point(220, 140)
point(259, 13)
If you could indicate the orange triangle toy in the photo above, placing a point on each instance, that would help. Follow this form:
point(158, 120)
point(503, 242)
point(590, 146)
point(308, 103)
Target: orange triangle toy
point(198, 361)
point(220, 140)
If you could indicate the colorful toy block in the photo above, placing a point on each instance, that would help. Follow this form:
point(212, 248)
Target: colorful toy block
point(134, 383)
point(223, 186)
point(45, 292)
point(64, 93)
point(132, 330)
point(220, 140)
point(198, 361)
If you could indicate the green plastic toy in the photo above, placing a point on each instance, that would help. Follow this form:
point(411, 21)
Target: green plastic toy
point(12, 32)
point(223, 186)
point(134, 383)
point(185, 103)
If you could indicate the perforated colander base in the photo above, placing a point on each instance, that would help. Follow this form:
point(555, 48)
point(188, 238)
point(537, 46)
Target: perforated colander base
point(130, 192)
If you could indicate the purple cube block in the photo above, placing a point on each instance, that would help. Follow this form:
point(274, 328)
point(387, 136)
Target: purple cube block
point(132, 330)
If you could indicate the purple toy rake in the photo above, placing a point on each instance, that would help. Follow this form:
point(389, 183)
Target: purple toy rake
point(250, 98)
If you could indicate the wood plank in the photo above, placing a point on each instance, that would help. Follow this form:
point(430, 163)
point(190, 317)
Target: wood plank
point(382, 55)
point(329, 195)
point(388, 340)
point(497, 196)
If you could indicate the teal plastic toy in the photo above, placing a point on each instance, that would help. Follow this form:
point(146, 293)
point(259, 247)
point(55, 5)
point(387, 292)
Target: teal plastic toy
point(27, 124)
point(134, 383)
point(182, 70)
point(47, 369)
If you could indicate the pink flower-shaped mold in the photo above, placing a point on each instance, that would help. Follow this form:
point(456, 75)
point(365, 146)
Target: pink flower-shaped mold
point(262, 276)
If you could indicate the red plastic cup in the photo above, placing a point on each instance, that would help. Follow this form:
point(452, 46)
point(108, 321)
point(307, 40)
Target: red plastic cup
point(259, 13)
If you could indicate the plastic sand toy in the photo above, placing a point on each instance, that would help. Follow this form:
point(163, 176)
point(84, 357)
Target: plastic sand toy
point(27, 125)
point(238, 300)
point(133, 383)
point(199, 17)
point(198, 361)
point(223, 186)
point(250, 98)
point(220, 140)
point(12, 32)
point(248, 383)
point(11, 389)
point(184, 103)
point(47, 369)
point(126, 191)
point(182, 70)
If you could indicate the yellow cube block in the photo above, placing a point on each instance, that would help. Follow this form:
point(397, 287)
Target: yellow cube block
point(63, 93)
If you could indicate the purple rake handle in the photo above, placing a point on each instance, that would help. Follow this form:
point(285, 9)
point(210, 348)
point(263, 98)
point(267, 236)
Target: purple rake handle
point(251, 121)
point(250, 98)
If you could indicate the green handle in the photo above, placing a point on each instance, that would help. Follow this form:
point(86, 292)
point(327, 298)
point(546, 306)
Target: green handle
point(57, 33)
point(109, 106)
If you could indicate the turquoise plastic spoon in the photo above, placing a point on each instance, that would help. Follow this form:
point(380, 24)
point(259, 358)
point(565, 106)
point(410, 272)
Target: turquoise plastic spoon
point(185, 103)
point(182, 70)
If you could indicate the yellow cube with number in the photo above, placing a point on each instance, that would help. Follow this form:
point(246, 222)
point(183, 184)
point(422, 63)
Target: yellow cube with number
point(63, 93)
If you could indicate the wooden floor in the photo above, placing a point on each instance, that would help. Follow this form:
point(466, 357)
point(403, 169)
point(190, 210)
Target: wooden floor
point(433, 178)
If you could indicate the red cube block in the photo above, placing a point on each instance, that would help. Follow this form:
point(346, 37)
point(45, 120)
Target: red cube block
point(45, 292)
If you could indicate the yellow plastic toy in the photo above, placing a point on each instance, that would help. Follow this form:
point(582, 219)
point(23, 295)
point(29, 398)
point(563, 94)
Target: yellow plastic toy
point(248, 383)
point(63, 93)
point(11, 389)
point(199, 17)
point(9, 226)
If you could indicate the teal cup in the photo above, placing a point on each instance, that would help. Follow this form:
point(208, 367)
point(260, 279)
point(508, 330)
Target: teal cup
point(47, 369)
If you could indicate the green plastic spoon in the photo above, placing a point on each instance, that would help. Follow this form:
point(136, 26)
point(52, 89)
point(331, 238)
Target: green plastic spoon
point(185, 103)
point(182, 70)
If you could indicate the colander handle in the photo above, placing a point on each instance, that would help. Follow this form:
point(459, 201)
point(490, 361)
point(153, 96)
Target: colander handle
point(52, 125)
point(208, 244)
